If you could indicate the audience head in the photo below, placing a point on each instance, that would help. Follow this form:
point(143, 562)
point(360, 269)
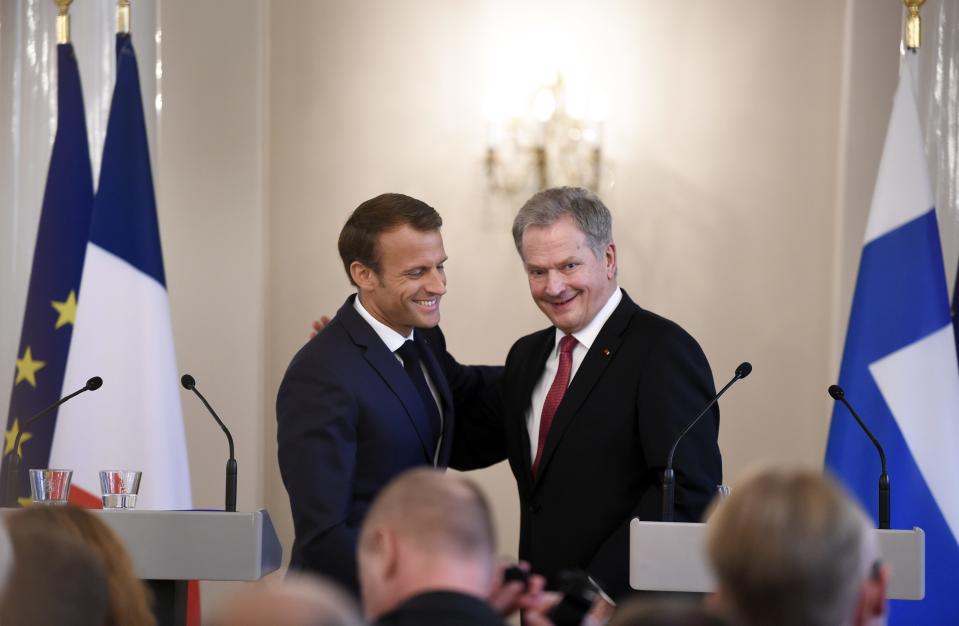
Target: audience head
point(299, 600)
point(129, 599)
point(565, 239)
point(426, 531)
point(393, 253)
point(56, 578)
point(790, 547)
point(644, 612)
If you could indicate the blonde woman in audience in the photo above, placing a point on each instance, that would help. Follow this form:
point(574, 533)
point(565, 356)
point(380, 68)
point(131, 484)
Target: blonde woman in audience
point(129, 599)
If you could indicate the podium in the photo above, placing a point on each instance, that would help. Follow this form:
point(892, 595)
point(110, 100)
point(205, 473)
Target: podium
point(169, 548)
point(671, 556)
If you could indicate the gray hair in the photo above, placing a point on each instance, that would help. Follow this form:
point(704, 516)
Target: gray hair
point(585, 207)
point(789, 547)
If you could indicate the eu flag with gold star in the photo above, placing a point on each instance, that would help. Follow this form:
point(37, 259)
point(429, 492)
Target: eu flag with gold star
point(55, 276)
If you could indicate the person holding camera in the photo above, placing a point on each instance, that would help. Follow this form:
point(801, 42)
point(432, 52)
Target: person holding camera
point(426, 556)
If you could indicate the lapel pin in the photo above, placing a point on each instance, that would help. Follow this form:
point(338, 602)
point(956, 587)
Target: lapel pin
point(605, 351)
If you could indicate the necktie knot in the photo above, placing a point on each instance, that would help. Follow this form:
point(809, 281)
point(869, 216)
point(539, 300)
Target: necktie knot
point(408, 352)
point(566, 344)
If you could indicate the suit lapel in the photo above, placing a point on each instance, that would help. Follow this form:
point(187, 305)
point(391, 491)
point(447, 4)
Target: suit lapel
point(443, 391)
point(529, 377)
point(389, 368)
point(594, 364)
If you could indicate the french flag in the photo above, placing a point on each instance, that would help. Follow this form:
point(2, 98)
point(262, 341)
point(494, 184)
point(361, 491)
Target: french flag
point(123, 330)
point(899, 367)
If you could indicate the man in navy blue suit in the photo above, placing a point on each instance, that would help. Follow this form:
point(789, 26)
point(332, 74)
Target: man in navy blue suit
point(369, 396)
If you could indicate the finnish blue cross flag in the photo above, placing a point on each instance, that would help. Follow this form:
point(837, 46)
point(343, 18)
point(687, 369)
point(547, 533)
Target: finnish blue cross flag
point(899, 367)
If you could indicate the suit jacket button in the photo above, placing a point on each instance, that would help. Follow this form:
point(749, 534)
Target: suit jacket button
point(534, 507)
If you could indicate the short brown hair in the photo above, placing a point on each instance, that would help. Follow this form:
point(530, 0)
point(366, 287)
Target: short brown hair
point(56, 579)
point(376, 216)
point(789, 547)
point(130, 601)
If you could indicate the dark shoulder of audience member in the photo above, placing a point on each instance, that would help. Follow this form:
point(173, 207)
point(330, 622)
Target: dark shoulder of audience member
point(646, 612)
point(56, 580)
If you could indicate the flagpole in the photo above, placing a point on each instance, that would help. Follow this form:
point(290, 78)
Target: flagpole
point(63, 20)
point(913, 24)
point(123, 17)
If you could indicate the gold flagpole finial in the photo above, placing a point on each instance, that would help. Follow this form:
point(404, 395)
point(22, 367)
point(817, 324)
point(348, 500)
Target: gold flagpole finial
point(913, 33)
point(63, 20)
point(123, 17)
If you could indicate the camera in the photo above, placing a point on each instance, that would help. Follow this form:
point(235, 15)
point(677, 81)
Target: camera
point(581, 594)
point(515, 572)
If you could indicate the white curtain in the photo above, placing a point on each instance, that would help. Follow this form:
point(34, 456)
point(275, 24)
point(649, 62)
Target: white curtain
point(28, 113)
point(939, 108)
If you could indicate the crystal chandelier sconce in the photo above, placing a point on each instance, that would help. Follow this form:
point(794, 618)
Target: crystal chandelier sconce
point(549, 144)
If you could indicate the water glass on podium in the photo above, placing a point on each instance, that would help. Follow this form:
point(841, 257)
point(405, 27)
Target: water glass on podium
point(50, 486)
point(119, 488)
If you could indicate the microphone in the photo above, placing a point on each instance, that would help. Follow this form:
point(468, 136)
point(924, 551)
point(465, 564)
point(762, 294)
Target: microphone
point(837, 393)
point(189, 383)
point(669, 478)
point(13, 459)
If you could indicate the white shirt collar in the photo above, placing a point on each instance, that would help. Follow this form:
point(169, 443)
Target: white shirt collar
point(390, 337)
point(587, 335)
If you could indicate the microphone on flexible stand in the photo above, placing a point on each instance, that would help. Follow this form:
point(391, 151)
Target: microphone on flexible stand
point(13, 459)
point(669, 478)
point(189, 382)
point(837, 393)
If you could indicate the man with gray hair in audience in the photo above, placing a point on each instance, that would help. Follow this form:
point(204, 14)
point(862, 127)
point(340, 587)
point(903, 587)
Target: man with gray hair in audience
point(790, 547)
point(426, 554)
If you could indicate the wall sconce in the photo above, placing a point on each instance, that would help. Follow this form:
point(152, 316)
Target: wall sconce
point(549, 144)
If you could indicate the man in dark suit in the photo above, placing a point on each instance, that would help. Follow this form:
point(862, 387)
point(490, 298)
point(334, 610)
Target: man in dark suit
point(426, 553)
point(587, 409)
point(370, 397)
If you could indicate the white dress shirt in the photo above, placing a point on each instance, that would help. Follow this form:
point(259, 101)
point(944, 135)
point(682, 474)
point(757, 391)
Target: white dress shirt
point(584, 339)
point(394, 341)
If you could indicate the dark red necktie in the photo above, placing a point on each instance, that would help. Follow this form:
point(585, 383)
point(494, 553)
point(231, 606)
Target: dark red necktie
point(556, 392)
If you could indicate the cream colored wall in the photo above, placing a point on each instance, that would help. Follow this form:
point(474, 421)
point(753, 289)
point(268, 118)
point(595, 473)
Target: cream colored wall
point(728, 133)
point(211, 193)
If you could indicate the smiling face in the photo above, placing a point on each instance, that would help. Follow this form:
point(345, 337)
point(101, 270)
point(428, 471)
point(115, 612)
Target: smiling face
point(406, 292)
point(566, 279)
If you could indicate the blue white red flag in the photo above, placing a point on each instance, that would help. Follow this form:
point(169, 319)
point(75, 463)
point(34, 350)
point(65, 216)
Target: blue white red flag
point(123, 330)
